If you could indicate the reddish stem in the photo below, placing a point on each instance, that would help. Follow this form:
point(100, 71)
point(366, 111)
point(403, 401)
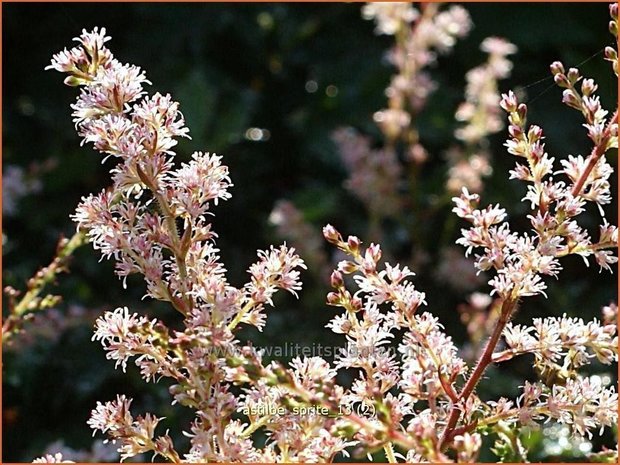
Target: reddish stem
point(595, 155)
point(485, 359)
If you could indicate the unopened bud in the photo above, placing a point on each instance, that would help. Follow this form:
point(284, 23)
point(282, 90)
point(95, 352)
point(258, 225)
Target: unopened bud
point(611, 54)
point(336, 279)
point(535, 133)
point(74, 81)
point(347, 267)
point(515, 131)
point(509, 102)
point(333, 298)
point(561, 81)
point(588, 87)
point(573, 75)
point(557, 68)
point(569, 98)
point(373, 252)
point(331, 235)
point(354, 244)
point(522, 111)
point(356, 304)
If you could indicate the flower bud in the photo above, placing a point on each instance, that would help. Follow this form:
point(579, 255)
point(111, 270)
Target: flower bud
point(333, 298)
point(74, 81)
point(373, 253)
point(347, 267)
point(354, 244)
point(588, 87)
point(509, 102)
point(610, 53)
point(331, 235)
point(557, 68)
point(535, 133)
point(515, 131)
point(573, 75)
point(561, 81)
point(568, 98)
point(522, 111)
point(356, 304)
point(336, 280)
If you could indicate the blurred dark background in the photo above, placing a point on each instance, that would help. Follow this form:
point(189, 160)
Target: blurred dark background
point(239, 66)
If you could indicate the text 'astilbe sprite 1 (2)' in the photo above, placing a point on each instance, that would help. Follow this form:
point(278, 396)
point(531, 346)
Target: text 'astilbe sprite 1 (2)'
point(416, 403)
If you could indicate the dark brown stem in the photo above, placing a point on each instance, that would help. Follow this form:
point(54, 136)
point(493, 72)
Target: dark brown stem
point(595, 155)
point(485, 359)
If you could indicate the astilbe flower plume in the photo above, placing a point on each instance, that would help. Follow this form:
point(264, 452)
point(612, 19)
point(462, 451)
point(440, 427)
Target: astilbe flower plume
point(481, 117)
point(136, 223)
point(419, 403)
point(387, 179)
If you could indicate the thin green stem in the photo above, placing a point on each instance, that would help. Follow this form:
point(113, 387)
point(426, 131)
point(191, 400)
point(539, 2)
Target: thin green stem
point(47, 274)
point(246, 308)
point(31, 300)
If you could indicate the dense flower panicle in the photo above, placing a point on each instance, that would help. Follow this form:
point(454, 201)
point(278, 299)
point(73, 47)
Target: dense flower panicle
point(520, 260)
point(111, 415)
point(276, 269)
point(481, 108)
point(374, 174)
point(159, 122)
point(596, 186)
point(567, 342)
point(197, 183)
point(109, 92)
point(124, 335)
point(446, 26)
point(385, 302)
point(433, 31)
point(83, 61)
point(583, 404)
point(136, 435)
point(141, 232)
point(481, 116)
point(420, 399)
point(429, 355)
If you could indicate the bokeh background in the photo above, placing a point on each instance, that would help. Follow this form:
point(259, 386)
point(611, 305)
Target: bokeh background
point(297, 72)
